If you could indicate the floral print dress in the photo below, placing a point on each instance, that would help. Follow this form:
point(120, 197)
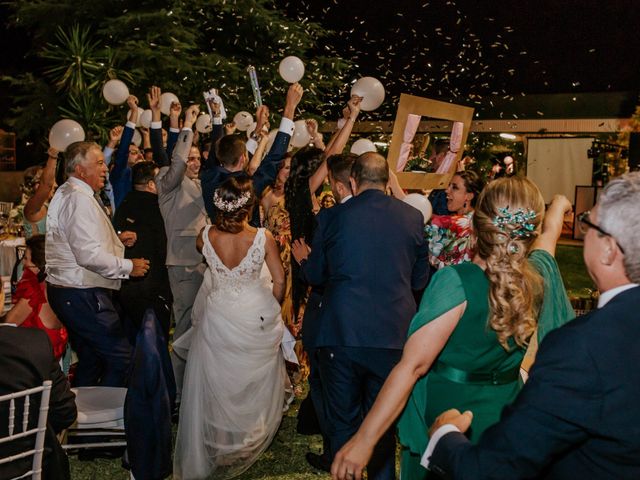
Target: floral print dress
point(449, 238)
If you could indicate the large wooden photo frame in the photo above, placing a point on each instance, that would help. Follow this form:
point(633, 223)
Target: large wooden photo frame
point(433, 109)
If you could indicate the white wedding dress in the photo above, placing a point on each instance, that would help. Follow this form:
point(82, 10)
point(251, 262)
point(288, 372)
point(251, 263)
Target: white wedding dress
point(235, 379)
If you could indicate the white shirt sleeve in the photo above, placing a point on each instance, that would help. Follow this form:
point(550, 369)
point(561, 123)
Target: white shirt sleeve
point(286, 126)
point(156, 125)
point(433, 441)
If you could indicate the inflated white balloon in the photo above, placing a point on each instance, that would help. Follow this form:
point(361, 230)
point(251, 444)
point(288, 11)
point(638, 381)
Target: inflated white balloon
point(362, 145)
point(64, 133)
point(166, 99)
point(420, 202)
point(300, 137)
point(137, 138)
point(243, 121)
point(136, 120)
point(144, 120)
point(371, 91)
point(251, 129)
point(508, 160)
point(291, 69)
point(203, 123)
point(115, 92)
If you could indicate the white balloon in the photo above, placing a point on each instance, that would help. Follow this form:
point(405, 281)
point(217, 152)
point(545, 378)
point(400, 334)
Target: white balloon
point(115, 92)
point(420, 202)
point(137, 138)
point(243, 121)
point(166, 99)
point(136, 120)
point(144, 120)
point(362, 145)
point(64, 133)
point(371, 91)
point(251, 129)
point(291, 69)
point(203, 123)
point(300, 137)
point(508, 160)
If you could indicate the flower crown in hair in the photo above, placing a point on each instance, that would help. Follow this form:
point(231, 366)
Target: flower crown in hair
point(230, 206)
point(520, 219)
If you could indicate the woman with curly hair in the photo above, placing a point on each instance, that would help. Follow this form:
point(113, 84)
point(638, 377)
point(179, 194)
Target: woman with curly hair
point(235, 381)
point(468, 339)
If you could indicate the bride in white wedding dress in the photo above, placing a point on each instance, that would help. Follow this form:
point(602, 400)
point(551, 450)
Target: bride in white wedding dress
point(235, 378)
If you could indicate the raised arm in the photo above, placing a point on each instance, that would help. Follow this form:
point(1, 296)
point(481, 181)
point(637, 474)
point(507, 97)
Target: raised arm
point(34, 210)
point(394, 184)
point(268, 169)
point(337, 144)
point(258, 154)
point(174, 127)
point(122, 154)
point(115, 134)
point(217, 132)
point(552, 225)
point(155, 134)
point(170, 178)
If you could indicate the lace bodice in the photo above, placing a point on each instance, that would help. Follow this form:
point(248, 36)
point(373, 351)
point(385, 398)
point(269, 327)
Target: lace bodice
point(246, 273)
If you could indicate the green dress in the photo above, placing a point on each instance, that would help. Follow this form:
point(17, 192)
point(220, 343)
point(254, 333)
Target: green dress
point(473, 371)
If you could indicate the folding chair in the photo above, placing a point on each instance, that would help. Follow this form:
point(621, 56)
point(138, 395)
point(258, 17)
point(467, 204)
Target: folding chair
point(16, 401)
point(100, 422)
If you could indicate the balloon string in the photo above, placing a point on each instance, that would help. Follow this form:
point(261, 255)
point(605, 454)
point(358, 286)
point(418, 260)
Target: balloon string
point(253, 77)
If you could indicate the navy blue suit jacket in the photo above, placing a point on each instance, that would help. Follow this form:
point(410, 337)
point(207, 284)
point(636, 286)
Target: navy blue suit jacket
point(369, 256)
point(576, 417)
point(213, 174)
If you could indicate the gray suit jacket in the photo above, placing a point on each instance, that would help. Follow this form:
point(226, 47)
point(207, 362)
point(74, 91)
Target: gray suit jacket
point(181, 205)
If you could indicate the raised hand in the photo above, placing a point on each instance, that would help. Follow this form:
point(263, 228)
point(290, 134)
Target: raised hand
point(190, 116)
point(132, 102)
point(154, 103)
point(294, 95)
point(214, 106)
point(262, 117)
point(229, 128)
point(354, 106)
point(175, 110)
point(115, 134)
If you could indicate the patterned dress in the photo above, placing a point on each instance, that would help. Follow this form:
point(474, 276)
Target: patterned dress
point(449, 238)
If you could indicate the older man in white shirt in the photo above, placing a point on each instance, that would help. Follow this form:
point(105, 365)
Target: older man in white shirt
point(85, 263)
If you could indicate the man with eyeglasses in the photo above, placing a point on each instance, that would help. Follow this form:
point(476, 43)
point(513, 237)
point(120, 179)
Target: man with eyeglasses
point(577, 415)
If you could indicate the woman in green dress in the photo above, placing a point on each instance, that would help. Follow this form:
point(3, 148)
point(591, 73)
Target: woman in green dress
point(468, 339)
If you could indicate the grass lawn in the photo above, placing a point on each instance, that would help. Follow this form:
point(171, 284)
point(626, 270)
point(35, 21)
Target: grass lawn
point(284, 460)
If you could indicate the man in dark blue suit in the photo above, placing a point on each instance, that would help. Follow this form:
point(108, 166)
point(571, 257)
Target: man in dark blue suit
point(228, 156)
point(370, 255)
point(577, 416)
point(339, 171)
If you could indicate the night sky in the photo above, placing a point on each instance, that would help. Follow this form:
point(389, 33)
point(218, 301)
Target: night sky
point(474, 49)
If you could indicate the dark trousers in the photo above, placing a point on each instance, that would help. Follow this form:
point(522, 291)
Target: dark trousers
point(96, 334)
point(317, 399)
point(351, 379)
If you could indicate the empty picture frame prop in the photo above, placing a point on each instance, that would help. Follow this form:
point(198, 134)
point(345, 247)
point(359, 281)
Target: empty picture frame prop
point(411, 111)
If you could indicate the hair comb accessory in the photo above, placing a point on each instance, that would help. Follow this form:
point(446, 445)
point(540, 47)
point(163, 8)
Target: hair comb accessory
point(230, 206)
point(519, 222)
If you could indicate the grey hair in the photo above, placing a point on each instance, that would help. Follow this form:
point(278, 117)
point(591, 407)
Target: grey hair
point(618, 208)
point(75, 154)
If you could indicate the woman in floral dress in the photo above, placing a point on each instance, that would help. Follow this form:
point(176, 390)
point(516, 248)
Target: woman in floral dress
point(449, 236)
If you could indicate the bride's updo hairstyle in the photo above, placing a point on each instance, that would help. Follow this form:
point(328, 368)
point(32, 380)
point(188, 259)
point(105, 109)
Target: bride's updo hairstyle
point(506, 222)
point(234, 201)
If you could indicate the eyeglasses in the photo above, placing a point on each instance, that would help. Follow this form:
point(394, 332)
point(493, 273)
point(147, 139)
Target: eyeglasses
point(584, 224)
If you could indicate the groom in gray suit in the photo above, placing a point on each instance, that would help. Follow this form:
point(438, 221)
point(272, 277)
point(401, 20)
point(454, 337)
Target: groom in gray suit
point(182, 208)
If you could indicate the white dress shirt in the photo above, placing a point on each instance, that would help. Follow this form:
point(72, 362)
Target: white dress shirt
point(82, 248)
